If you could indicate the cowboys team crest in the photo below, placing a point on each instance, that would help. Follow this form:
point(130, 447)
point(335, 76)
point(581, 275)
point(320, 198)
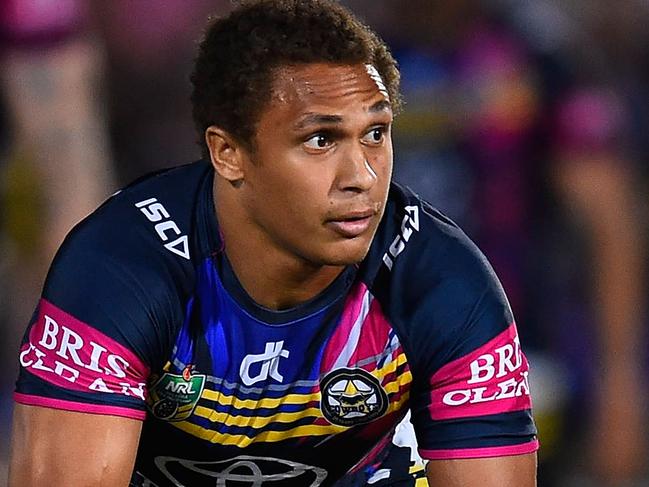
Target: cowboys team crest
point(173, 397)
point(351, 397)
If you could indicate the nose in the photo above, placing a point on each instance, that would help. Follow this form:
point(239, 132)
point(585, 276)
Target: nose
point(355, 172)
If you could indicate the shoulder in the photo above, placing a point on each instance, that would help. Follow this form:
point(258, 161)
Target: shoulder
point(126, 268)
point(416, 245)
point(143, 225)
point(452, 318)
point(434, 284)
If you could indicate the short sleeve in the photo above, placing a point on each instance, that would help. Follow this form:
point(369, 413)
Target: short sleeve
point(96, 333)
point(470, 395)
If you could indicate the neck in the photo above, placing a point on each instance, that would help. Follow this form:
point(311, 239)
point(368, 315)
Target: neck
point(272, 276)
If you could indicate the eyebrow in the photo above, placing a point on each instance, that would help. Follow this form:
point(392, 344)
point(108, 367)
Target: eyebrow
point(322, 119)
point(317, 119)
point(380, 106)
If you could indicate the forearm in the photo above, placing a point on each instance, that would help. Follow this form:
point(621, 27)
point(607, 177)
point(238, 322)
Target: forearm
point(511, 471)
point(53, 448)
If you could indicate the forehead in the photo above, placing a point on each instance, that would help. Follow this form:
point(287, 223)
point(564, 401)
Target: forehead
point(322, 87)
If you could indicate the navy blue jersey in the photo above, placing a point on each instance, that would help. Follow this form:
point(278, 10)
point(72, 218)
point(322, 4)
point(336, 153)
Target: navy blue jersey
point(142, 316)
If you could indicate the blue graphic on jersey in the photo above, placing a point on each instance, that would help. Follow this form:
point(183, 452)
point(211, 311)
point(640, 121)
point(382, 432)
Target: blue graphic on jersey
point(248, 355)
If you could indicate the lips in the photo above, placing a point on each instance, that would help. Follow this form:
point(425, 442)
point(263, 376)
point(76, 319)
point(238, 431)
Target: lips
point(352, 224)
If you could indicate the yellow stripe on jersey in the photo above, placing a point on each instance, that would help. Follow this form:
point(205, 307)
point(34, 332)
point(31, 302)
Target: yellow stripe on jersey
point(254, 421)
point(243, 441)
point(390, 367)
point(416, 469)
point(297, 399)
point(270, 403)
point(418, 472)
point(280, 417)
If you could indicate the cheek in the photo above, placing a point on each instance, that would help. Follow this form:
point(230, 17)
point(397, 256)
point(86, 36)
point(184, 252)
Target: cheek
point(306, 183)
point(382, 166)
point(386, 167)
point(389, 157)
point(290, 199)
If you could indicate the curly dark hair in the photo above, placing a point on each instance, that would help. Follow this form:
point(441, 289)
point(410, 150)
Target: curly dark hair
point(233, 72)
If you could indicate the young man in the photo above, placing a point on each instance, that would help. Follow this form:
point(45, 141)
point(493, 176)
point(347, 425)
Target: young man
point(269, 316)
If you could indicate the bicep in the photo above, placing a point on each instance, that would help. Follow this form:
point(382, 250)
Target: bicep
point(509, 471)
point(61, 448)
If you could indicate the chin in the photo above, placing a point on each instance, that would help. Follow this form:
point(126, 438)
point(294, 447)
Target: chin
point(346, 253)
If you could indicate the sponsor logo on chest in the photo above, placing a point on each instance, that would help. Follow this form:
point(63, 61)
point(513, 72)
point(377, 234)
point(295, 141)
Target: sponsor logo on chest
point(244, 470)
point(263, 365)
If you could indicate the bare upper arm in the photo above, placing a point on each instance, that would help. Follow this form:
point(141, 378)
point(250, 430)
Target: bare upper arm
point(55, 448)
point(511, 471)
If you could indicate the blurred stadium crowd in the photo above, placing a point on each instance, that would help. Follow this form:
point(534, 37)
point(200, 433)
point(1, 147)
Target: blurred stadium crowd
point(526, 121)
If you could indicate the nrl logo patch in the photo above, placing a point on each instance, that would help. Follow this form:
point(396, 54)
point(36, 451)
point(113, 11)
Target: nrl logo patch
point(351, 397)
point(173, 397)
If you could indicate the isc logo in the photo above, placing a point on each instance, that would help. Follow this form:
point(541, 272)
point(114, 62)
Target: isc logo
point(409, 225)
point(157, 214)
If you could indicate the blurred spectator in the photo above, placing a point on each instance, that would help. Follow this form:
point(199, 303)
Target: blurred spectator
point(151, 46)
point(51, 80)
point(57, 165)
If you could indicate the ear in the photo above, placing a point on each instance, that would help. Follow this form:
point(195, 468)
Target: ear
point(225, 153)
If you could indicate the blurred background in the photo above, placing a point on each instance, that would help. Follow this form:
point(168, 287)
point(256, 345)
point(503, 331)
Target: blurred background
point(526, 121)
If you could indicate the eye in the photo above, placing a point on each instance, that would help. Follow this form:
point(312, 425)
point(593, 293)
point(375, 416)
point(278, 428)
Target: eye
point(318, 142)
point(375, 136)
